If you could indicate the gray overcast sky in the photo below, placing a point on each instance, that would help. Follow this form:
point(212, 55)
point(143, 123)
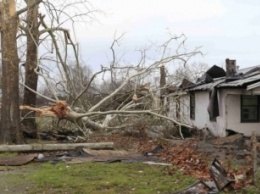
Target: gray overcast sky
point(224, 28)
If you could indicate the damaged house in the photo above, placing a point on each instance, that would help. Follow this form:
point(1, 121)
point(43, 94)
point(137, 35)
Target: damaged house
point(221, 101)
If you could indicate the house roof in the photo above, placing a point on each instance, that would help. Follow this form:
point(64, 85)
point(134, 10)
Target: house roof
point(207, 86)
point(240, 82)
point(242, 78)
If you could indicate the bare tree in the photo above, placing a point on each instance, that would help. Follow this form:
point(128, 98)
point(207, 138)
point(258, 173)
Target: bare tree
point(10, 21)
point(10, 119)
point(31, 64)
point(128, 108)
point(41, 28)
point(54, 68)
point(191, 72)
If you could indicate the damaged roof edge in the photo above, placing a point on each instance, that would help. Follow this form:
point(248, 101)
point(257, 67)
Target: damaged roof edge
point(246, 78)
point(241, 82)
point(207, 86)
point(243, 78)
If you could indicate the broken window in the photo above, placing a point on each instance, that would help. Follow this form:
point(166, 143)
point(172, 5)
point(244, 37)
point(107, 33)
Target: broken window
point(213, 108)
point(192, 105)
point(250, 108)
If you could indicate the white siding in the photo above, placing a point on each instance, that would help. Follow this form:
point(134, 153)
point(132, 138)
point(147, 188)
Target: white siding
point(201, 112)
point(233, 115)
point(185, 109)
point(229, 109)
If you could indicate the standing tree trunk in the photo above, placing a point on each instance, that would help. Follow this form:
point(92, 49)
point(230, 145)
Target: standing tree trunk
point(31, 78)
point(10, 114)
point(162, 83)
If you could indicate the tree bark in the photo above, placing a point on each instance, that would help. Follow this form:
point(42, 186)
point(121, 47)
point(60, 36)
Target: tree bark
point(31, 77)
point(10, 114)
point(162, 82)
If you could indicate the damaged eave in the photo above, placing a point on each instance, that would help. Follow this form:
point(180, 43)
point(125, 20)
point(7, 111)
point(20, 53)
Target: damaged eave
point(253, 86)
point(244, 82)
point(207, 86)
point(243, 78)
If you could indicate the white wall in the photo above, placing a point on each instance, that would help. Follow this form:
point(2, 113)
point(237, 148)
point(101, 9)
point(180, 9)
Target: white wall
point(229, 109)
point(201, 106)
point(233, 115)
point(201, 113)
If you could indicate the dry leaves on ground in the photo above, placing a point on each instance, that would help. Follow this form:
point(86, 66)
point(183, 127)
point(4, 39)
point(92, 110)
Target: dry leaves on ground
point(185, 157)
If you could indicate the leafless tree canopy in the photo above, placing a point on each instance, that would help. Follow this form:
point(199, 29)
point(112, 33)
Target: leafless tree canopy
point(116, 96)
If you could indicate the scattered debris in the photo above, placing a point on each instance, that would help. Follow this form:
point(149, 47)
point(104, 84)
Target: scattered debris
point(186, 158)
point(156, 150)
point(157, 163)
point(254, 156)
point(183, 155)
point(229, 139)
point(111, 153)
point(219, 175)
point(17, 160)
point(199, 187)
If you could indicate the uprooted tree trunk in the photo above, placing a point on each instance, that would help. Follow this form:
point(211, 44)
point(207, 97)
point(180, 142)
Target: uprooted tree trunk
point(61, 110)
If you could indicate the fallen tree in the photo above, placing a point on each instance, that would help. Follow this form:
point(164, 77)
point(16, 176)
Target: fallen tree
point(61, 111)
point(130, 78)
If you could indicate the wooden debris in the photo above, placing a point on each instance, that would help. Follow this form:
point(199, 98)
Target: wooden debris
point(197, 187)
point(51, 147)
point(228, 139)
point(114, 153)
point(106, 156)
point(254, 156)
point(157, 163)
point(135, 98)
point(17, 160)
point(59, 109)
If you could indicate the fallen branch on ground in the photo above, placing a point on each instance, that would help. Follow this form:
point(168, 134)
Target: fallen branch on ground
point(52, 147)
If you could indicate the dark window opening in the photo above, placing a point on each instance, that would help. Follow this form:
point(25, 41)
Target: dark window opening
point(250, 106)
point(192, 105)
point(213, 119)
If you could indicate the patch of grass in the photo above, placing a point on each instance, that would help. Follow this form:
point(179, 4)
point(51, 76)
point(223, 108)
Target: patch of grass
point(106, 178)
point(7, 154)
point(45, 123)
point(256, 188)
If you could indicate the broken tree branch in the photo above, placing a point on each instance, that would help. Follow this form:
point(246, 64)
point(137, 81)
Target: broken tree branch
point(19, 12)
point(62, 111)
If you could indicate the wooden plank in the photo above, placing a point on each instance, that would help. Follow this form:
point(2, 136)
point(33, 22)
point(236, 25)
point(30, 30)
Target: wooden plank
point(228, 139)
point(52, 147)
point(17, 160)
